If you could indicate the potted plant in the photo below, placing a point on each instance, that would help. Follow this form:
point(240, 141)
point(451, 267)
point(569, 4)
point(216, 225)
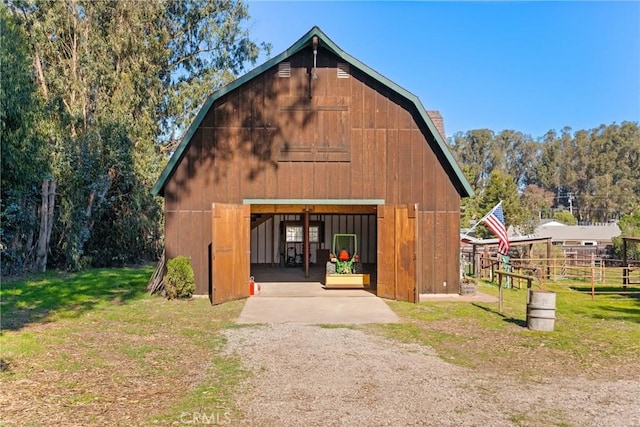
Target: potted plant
point(468, 285)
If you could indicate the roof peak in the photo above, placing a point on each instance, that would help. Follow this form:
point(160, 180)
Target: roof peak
point(462, 184)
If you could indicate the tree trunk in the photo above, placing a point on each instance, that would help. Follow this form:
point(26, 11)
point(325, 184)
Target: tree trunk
point(29, 246)
point(46, 223)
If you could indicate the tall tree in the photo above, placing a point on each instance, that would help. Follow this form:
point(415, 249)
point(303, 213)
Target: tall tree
point(117, 75)
point(537, 200)
point(475, 150)
point(23, 151)
point(592, 171)
point(502, 187)
point(516, 153)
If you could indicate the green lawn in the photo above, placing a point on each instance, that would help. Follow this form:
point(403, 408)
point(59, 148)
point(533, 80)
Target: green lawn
point(596, 338)
point(52, 296)
point(93, 348)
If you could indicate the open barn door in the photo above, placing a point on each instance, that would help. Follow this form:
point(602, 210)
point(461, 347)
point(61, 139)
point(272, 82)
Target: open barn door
point(230, 252)
point(397, 252)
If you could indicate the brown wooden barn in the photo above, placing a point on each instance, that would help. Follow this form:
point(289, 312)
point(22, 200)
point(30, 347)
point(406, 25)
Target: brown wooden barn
point(311, 143)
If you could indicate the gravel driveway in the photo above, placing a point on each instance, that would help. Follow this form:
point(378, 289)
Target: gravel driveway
point(304, 375)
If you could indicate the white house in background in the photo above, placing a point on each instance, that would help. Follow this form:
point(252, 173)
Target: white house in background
point(578, 235)
point(551, 223)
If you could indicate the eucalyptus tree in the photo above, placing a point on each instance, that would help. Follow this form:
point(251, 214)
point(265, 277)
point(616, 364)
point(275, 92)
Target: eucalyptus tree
point(613, 188)
point(517, 153)
point(22, 151)
point(537, 200)
point(475, 150)
point(119, 75)
point(593, 172)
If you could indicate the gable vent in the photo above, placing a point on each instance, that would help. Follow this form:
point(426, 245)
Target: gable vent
point(343, 71)
point(284, 69)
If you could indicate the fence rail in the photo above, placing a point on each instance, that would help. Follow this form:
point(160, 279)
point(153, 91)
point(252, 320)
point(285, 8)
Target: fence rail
point(602, 276)
point(502, 274)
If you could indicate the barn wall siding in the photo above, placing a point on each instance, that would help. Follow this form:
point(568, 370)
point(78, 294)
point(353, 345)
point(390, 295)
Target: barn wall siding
point(328, 138)
point(239, 154)
point(188, 233)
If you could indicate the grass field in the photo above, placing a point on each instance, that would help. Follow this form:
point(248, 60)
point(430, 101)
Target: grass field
point(92, 348)
point(597, 338)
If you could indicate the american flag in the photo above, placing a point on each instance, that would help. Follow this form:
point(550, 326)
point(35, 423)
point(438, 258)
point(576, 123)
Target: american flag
point(495, 221)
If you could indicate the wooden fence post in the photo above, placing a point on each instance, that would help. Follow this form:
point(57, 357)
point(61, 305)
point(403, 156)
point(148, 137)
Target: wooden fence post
point(499, 292)
point(593, 283)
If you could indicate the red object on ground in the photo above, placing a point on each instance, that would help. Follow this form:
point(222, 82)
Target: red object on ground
point(254, 288)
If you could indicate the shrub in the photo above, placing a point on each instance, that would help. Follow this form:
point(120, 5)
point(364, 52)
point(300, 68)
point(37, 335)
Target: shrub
point(179, 282)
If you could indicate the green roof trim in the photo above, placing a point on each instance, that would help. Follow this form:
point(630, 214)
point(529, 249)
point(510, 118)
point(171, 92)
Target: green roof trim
point(303, 42)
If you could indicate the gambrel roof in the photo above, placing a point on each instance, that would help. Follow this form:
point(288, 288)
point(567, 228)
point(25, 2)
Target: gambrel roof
point(458, 178)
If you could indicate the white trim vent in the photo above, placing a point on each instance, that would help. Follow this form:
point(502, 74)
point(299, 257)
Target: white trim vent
point(343, 70)
point(284, 69)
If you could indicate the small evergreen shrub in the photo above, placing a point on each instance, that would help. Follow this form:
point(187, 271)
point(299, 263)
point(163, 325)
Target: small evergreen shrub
point(179, 282)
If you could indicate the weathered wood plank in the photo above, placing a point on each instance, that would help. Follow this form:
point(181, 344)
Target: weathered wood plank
point(230, 232)
point(427, 239)
point(357, 164)
point(418, 188)
point(320, 180)
point(405, 121)
point(380, 111)
point(452, 235)
point(405, 172)
point(441, 255)
point(369, 108)
point(296, 180)
point(356, 104)
point(405, 254)
point(386, 252)
point(428, 179)
point(380, 162)
point(393, 167)
point(370, 164)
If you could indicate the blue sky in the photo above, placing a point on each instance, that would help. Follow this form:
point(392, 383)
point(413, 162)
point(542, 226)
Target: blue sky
point(527, 66)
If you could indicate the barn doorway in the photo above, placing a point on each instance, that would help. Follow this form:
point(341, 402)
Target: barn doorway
point(389, 248)
point(277, 245)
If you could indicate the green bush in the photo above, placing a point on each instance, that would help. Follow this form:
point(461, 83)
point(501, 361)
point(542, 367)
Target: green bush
point(179, 282)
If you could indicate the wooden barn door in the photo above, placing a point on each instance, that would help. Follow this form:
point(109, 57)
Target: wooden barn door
point(230, 252)
point(397, 252)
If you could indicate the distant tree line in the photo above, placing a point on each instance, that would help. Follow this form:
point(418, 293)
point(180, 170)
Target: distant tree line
point(588, 176)
point(93, 93)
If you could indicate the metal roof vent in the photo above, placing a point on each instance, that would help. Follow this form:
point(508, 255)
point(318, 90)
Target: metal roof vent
point(343, 70)
point(284, 69)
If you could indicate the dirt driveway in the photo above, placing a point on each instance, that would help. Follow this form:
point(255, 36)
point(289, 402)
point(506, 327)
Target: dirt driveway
point(305, 375)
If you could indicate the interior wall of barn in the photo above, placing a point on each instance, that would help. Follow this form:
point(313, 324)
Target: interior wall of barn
point(265, 239)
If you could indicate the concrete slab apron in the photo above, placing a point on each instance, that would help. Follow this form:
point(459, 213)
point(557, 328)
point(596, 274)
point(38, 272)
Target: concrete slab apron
point(309, 303)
